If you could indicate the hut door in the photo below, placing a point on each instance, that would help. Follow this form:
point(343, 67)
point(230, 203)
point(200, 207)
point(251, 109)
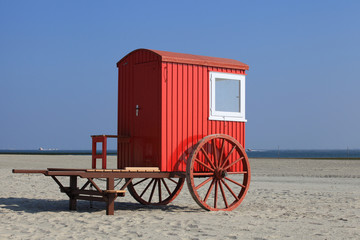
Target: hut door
point(146, 110)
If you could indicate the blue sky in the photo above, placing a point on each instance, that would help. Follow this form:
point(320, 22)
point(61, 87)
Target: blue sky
point(58, 78)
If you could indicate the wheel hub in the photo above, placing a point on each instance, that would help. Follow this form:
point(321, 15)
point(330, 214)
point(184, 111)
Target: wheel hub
point(220, 173)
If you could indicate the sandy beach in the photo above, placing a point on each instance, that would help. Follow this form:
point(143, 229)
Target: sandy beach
point(288, 199)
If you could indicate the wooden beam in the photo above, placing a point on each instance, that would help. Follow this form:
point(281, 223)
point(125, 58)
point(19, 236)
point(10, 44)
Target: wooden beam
point(28, 171)
point(73, 187)
point(111, 196)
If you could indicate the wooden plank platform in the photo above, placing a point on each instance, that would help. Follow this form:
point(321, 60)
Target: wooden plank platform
point(107, 195)
point(127, 169)
point(143, 169)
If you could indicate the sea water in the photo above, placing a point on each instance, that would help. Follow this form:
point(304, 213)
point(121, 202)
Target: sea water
point(252, 153)
point(333, 153)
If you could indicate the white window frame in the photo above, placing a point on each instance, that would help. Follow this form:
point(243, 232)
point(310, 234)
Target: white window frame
point(221, 115)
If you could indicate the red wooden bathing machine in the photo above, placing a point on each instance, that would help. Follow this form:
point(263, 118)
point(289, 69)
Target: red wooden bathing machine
point(180, 116)
point(168, 101)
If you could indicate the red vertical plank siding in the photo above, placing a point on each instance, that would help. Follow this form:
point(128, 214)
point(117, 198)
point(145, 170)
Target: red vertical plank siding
point(205, 104)
point(174, 110)
point(169, 100)
point(121, 122)
point(189, 96)
point(185, 115)
point(180, 106)
point(200, 100)
point(187, 109)
point(195, 96)
point(163, 115)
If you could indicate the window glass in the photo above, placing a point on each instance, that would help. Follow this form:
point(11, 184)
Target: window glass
point(227, 95)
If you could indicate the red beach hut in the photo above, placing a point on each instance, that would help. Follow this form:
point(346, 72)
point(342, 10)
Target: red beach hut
point(168, 101)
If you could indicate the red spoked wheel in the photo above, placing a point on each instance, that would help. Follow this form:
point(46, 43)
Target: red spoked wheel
point(155, 191)
point(218, 173)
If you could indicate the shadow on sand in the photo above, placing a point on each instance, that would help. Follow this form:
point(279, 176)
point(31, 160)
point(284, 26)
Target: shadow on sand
point(30, 205)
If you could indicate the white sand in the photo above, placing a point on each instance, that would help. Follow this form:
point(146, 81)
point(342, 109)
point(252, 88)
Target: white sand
point(288, 199)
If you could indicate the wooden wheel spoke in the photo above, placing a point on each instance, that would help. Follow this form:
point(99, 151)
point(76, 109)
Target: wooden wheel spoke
point(159, 189)
point(239, 184)
point(147, 187)
point(207, 157)
point(152, 191)
point(209, 190)
point(140, 181)
point(223, 194)
point(203, 174)
point(216, 193)
point(215, 155)
point(228, 166)
point(230, 190)
point(242, 172)
point(221, 152)
point(203, 183)
point(173, 180)
point(228, 157)
point(204, 165)
point(166, 186)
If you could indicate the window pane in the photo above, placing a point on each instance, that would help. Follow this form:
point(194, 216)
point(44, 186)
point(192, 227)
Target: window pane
point(227, 95)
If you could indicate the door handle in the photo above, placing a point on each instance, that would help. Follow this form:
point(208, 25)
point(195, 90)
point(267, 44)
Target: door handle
point(137, 110)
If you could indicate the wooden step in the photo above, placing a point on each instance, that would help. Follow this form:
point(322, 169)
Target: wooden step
point(114, 191)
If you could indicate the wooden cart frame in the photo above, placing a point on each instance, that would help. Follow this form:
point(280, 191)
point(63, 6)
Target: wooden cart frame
point(207, 171)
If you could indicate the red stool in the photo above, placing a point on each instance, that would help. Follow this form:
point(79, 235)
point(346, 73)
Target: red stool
point(99, 139)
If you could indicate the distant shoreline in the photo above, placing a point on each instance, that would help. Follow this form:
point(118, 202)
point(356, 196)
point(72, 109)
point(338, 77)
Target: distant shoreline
point(52, 152)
